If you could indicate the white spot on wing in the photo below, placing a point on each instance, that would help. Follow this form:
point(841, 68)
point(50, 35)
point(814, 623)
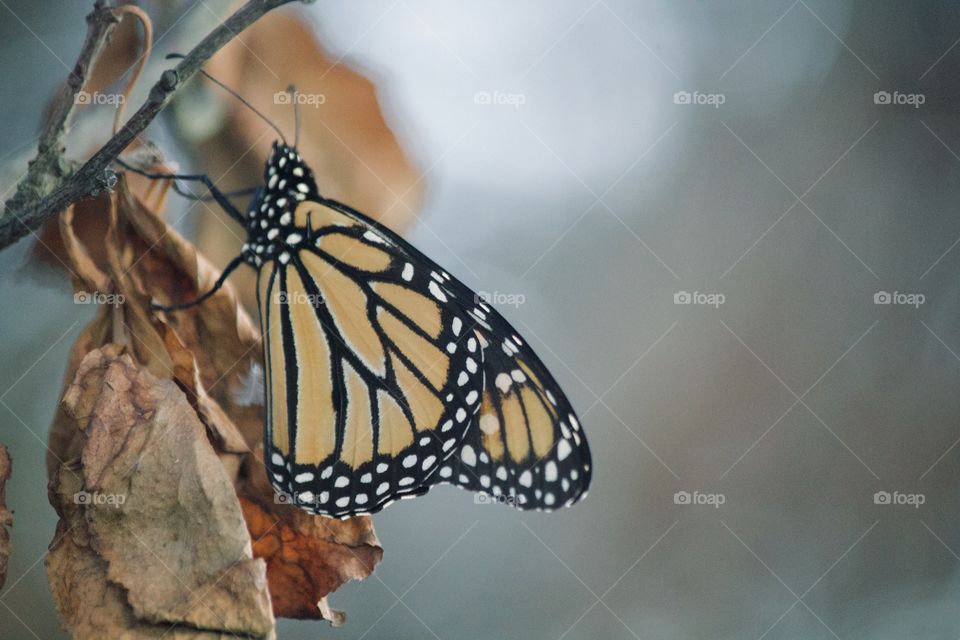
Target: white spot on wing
point(550, 471)
point(437, 293)
point(373, 237)
point(526, 478)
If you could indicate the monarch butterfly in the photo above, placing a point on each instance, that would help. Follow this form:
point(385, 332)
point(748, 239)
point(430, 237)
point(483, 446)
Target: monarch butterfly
point(386, 375)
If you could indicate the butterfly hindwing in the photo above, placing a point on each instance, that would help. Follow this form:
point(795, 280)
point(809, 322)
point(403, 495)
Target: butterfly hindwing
point(526, 448)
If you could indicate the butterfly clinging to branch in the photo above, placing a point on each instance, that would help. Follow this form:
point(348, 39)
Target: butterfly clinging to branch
point(385, 374)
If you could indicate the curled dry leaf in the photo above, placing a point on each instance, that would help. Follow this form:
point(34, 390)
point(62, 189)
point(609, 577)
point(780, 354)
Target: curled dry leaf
point(150, 535)
point(6, 516)
point(168, 408)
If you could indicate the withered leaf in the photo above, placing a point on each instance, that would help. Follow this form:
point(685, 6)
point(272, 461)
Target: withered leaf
point(148, 502)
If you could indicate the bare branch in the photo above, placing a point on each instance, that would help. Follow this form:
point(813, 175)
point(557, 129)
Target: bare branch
point(50, 186)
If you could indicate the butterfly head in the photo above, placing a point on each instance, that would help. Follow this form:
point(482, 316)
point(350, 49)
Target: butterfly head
point(271, 220)
point(287, 175)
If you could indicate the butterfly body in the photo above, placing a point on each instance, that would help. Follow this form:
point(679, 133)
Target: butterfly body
point(271, 231)
point(386, 375)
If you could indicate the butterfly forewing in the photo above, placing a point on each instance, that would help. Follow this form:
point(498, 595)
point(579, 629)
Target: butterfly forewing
point(373, 379)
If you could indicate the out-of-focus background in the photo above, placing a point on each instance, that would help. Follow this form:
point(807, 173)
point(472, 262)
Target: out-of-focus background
point(730, 228)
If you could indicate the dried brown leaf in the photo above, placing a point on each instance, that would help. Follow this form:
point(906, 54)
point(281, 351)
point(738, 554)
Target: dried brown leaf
point(151, 513)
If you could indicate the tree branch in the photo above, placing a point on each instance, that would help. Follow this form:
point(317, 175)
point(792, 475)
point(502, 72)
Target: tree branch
point(50, 186)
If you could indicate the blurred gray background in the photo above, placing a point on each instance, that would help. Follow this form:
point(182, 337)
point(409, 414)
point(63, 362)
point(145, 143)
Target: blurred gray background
point(585, 187)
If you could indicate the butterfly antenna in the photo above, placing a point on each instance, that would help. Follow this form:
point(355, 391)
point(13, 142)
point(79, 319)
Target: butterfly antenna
point(292, 90)
point(235, 95)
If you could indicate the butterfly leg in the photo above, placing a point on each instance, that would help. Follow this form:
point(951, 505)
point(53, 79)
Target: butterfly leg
point(220, 197)
point(236, 262)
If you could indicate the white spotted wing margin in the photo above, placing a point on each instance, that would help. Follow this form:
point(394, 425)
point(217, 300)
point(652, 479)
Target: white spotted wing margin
point(380, 428)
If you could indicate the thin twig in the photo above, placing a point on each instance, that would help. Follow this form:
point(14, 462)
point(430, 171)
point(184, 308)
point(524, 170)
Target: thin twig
point(49, 187)
point(49, 166)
